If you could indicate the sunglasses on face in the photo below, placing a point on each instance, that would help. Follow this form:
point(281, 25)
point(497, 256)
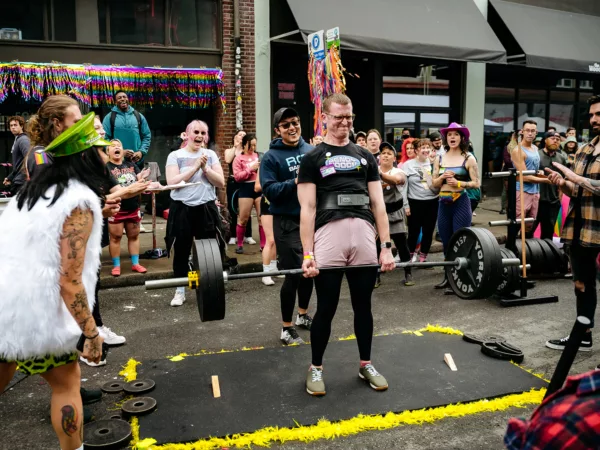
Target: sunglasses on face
point(287, 125)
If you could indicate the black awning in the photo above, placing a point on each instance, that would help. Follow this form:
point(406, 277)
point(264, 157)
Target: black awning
point(548, 38)
point(454, 30)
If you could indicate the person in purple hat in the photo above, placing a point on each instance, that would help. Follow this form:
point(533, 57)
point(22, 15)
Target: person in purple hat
point(454, 173)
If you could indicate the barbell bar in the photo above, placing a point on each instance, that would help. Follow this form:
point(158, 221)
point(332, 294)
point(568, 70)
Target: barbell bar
point(503, 223)
point(474, 267)
point(507, 174)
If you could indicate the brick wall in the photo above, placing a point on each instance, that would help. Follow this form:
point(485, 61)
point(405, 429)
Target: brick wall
point(225, 122)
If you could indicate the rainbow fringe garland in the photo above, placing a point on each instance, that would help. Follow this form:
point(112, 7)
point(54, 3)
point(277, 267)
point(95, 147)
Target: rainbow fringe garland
point(325, 429)
point(94, 85)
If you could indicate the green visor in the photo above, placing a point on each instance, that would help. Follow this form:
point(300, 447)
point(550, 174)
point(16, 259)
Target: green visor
point(77, 138)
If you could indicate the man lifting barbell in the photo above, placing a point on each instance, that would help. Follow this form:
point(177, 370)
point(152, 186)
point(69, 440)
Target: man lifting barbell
point(336, 183)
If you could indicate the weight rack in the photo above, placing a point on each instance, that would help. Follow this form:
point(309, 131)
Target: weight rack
point(513, 227)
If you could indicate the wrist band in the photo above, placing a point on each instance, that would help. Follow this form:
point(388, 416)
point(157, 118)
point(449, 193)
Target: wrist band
point(92, 337)
point(459, 184)
point(309, 253)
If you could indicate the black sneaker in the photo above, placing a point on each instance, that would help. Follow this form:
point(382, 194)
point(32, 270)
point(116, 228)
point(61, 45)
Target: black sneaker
point(443, 285)
point(290, 336)
point(89, 396)
point(239, 250)
point(304, 321)
point(560, 344)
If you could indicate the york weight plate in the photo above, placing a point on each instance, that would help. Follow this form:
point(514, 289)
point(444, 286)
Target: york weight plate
point(138, 406)
point(139, 386)
point(113, 387)
point(210, 295)
point(510, 275)
point(538, 256)
point(106, 433)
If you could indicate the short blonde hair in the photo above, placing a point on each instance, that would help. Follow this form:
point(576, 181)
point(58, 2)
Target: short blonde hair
point(339, 98)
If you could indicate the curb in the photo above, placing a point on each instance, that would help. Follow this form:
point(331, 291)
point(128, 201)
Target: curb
point(110, 282)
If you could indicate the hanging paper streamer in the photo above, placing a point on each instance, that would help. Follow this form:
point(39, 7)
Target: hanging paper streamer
point(95, 85)
point(325, 71)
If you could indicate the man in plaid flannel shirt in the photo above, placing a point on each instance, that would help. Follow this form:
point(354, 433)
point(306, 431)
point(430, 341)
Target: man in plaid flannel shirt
point(567, 419)
point(581, 230)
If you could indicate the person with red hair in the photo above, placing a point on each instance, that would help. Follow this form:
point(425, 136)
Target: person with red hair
point(408, 150)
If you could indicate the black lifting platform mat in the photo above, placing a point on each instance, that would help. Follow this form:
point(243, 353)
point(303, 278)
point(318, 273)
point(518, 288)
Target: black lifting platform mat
point(265, 388)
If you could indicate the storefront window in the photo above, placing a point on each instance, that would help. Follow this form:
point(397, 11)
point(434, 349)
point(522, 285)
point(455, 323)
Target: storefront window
point(135, 22)
point(193, 23)
point(415, 100)
point(22, 20)
point(562, 115)
point(532, 111)
point(395, 122)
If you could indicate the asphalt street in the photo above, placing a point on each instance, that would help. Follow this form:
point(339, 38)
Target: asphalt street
point(154, 329)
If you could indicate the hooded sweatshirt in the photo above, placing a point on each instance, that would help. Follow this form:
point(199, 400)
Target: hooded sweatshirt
point(127, 130)
point(278, 172)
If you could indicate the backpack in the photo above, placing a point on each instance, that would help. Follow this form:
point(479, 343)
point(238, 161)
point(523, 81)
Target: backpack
point(113, 118)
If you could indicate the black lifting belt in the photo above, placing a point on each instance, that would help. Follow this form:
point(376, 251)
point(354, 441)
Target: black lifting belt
point(393, 207)
point(341, 200)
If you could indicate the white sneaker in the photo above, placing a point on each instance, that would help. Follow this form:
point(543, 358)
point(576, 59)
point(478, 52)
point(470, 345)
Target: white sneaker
point(93, 364)
point(232, 241)
point(110, 337)
point(249, 241)
point(268, 281)
point(142, 229)
point(179, 299)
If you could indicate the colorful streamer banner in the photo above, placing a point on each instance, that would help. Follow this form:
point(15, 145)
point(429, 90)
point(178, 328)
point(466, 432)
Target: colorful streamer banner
point(95, 85)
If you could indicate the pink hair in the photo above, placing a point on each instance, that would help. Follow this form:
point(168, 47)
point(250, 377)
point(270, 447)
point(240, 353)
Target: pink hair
point(190, 127)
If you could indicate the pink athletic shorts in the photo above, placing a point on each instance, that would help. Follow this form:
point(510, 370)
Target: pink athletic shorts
point(345, 242)
point(532, 202)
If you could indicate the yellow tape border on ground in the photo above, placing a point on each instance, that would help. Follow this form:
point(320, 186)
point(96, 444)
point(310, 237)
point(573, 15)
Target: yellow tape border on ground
point(325, 429)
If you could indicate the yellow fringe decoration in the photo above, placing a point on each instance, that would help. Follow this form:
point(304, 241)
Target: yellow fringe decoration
point(182, 356)
point(129, 371)
point(325, 429)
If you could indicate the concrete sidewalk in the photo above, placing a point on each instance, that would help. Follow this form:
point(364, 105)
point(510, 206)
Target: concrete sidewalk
point(251, 260)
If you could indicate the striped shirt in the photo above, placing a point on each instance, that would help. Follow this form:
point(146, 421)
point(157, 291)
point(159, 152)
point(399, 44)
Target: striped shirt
point(582, 224)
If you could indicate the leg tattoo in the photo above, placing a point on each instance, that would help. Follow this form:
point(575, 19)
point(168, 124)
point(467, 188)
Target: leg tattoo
point(69, 419)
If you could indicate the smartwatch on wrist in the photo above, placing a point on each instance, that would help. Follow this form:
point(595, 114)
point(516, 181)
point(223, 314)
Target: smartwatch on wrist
point(386, 245)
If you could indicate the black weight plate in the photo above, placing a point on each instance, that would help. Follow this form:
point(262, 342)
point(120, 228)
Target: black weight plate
point(495, 350)
point(510, 348)
point(113, 416)
point(113, 387)
point(480, 278)
point(139, 386)
point(510, 275)
point(557, 256)
point(537, 256)
point(550, 263)
point(211, 292)
point(106, 433)
point(138, 406)
point(477, 339)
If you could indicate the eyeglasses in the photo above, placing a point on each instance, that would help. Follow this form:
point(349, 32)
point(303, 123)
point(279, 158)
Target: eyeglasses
point(287, 125)
point(349, 118)
point(199, 132)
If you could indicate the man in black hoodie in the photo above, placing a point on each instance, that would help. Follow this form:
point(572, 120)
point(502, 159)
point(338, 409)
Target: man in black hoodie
point(278, 172)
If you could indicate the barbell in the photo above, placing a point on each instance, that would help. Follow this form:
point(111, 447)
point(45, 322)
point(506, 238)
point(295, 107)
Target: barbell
point(473, 264)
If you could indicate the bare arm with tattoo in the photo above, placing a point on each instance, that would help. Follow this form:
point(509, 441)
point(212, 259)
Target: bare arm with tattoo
point(572, 180)
point(73, 244)
point(473, 169)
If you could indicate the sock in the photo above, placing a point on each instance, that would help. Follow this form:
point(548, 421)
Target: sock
point(239, 231)
point(266, 268)
point(273, 265)
point(135, 259)
point(80, 448)
point(263, 238)
point(180, 290)
point(363, 363)
point(116, 261)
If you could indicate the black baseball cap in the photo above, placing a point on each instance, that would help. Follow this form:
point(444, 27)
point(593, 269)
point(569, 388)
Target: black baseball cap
point(387, 145)
point(434, 136)
point(284, 113)
point(360, 133)
point(550, 134)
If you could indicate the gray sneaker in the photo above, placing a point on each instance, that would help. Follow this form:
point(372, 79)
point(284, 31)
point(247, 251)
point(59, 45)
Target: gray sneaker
point(290, 336)
point(304, 321)
point(374, 378)
point(314, 382)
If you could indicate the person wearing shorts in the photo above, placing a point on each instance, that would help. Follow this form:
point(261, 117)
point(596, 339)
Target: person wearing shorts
point(342, 204)
point(129, 216)
point(52, 232)
point(245, 167)
point(278, 173)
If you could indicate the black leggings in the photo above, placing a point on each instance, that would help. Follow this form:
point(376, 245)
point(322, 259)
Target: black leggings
point(328, 286)
point(232, 186)
point(291, 285)
point(423, 216)
point(583, 266)
point(96, 310)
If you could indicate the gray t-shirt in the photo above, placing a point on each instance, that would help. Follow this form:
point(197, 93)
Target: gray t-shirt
point(201, 193)
point(418, 175)
point(549, 192)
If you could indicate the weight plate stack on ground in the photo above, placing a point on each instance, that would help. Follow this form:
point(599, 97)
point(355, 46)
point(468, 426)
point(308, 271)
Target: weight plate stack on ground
point(538, 257)
point(519, 253)
point(552, 263)
point(139, 386)
point(113, 387)
point(502, 350)
point(510, 275)
point(139, 406)
point(484, 273)
point(557, 256)
point(106, 433)
point(210, 294)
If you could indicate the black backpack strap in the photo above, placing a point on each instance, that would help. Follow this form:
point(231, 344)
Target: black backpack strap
point(138, 116)
point(113, 118)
